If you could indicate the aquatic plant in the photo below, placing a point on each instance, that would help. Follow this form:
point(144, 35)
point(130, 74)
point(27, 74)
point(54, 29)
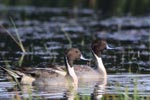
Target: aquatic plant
point(29, 95)
point(68, 38)
point(149, 42)
point(54, 56)
point(20, 61)
point(16, 38)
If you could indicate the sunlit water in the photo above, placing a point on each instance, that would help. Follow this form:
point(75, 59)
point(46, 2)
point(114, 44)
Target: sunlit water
point(47, 32)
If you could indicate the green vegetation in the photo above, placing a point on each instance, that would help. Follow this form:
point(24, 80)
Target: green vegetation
point(149, 42)
point(108, 7)
point(17, 39)
point(68, 38)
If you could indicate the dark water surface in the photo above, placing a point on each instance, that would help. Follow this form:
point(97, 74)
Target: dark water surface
point(47, 32)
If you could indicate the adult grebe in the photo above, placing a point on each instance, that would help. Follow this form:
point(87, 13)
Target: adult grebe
point(87, 73)
point(49, 77)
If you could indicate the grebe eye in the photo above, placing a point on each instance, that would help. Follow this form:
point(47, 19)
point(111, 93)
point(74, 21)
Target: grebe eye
point(76, 51)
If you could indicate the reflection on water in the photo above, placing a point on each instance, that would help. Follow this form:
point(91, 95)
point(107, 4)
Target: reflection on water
point(125, 86)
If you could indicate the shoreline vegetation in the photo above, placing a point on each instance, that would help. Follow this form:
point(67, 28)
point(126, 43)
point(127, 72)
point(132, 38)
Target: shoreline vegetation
point(106, 7)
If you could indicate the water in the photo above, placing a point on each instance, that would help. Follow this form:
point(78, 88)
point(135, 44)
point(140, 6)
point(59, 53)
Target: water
point(124, 85)
point(47, 32)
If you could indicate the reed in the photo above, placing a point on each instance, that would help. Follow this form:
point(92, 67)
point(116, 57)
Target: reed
point(21, 59)
point(13, 75)
point(68, 38)
point(149, 41)
point(49, 52)
point(21, 97)
point(17, 39)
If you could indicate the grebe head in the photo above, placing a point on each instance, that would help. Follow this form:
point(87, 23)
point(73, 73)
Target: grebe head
point(73, 54)
point(98, 46)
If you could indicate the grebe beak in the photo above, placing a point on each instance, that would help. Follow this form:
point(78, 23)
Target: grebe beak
point(83, 58)
point(109, 48)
